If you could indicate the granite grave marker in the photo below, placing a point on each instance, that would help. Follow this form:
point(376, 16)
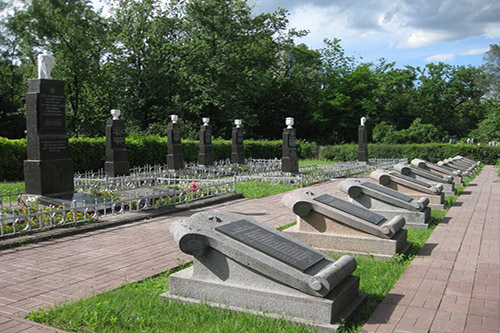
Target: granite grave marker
point(205, 155)
point(175, 157)
point(116, 153)
point(289, 160)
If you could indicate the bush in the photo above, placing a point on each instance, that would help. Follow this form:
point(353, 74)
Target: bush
point(432, 152)
point(12, 155)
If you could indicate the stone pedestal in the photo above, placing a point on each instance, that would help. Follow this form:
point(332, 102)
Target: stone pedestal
point(116, 153)
point(362, 144)
point(205, 155)
point(289, 160)
point(175, 158)
point(49, 168)
point(237, 154)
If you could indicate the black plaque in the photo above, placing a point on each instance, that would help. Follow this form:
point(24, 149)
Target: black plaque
point(276, 246)
point(388, 191)
point(408, 178)
point(349, 208)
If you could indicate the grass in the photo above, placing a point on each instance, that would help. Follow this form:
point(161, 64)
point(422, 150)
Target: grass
point(136, 307)
point(12, 188)
point(261, 190)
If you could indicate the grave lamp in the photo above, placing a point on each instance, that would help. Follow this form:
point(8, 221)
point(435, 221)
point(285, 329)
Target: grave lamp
point(205, 120)
point(115, 113)
point(363, 121)
point(174, 118)
point(237, 122)
point(289, 122)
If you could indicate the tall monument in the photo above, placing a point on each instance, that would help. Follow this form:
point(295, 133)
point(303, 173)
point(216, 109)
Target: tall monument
point(49, 168)
point(116, 153)
point(238, 153)
point(362, 142)
point(175, 157)
point(205, 155)
point(289, 160)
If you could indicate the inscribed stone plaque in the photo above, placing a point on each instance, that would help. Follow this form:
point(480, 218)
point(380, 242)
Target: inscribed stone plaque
point(349, 208)
point(51, 112)
point(385, 190)
point(419, 182)
point(274, 245)
point(118, 135)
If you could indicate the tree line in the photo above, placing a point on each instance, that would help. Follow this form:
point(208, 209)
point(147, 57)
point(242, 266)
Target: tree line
point(214, 58)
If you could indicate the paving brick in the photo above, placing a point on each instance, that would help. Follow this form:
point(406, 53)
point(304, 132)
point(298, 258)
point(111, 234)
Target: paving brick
point(445, 321)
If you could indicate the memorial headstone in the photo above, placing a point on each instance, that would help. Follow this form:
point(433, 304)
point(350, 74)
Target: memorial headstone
point(289, 160)
point(49, 168)
point(242, 265)
point(450, 163)
point(116, 153)
point(439, 170)
point(387, 202)
point(329, 223)
point(427, 177)
point(205, 156)
point(362, 142)
point(175, 157)
point(237, 153)
point(412, 187)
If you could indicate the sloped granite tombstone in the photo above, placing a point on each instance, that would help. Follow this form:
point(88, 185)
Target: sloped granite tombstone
point(243, 265)
point(412, 187)
point(468, 160)
point(439, 170)
point(427, 177)
point(456, 165)
point(387, 202)
point(328, 223)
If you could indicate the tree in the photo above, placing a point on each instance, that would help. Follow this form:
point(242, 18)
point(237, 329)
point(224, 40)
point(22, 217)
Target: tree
point(492, 68)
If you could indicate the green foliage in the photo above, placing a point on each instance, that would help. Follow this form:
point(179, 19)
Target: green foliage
point(13, 153)
point(432, 152)
point(416, 133)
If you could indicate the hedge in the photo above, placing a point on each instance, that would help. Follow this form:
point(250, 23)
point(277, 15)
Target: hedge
point(432, 152)
point(89, 153)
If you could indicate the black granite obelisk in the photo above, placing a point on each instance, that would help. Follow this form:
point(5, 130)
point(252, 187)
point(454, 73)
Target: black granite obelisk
point(175, 157)
point(238, 153)
point(116, 153)
point(49, 169)
point(362, 142)
point(205, 155)
point(289, 160)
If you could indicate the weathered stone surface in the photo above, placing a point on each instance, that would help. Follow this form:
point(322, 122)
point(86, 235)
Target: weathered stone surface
point(48, 169)
point(116, 153)
point(388, 202)
point(439, 170)
point(246, 266)
point(237, 152)
point(289, 160)
point(325, 224)
point(205, 155)
point(427, 177)
point(175, 157)
point(411, 187)
point(362, 144)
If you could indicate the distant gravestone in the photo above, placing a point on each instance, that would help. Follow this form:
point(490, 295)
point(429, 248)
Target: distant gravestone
point(427, 177)
point(205, 155)
point(412, 187)
point(243, 265)
point(49, 168)
point(439, 170)
point(289, 160)
point(116, 153)
point(329, 223)
point(175, 157)
point(362, 142)
point(388, 202)
point(238, 153)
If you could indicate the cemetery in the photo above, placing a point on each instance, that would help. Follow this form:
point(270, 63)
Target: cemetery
point(204, 196)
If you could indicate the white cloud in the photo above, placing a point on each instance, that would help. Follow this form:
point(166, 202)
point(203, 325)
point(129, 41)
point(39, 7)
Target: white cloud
point(475, 51)
point(441, 57)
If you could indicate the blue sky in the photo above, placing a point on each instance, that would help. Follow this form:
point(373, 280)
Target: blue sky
point(408, 32)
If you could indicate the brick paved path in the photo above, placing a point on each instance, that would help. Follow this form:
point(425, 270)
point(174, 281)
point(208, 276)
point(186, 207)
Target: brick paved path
point(72, 267)
point(453, 286)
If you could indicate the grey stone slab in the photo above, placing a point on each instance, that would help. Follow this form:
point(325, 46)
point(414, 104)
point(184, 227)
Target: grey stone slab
point(427, 177)
point(349, 208)
point(242, 265)
point(439, 170)
point(387, 202)
point(328, 227)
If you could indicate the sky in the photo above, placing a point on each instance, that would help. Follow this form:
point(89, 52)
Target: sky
point(408, 32)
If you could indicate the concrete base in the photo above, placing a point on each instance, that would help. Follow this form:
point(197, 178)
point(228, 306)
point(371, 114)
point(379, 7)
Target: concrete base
point(435, 201)
point(361, 243)
point(254, 293)
point(414, 220)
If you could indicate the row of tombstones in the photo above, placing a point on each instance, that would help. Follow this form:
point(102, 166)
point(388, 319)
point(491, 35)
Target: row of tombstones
point(48, 169)
point(244, 265)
